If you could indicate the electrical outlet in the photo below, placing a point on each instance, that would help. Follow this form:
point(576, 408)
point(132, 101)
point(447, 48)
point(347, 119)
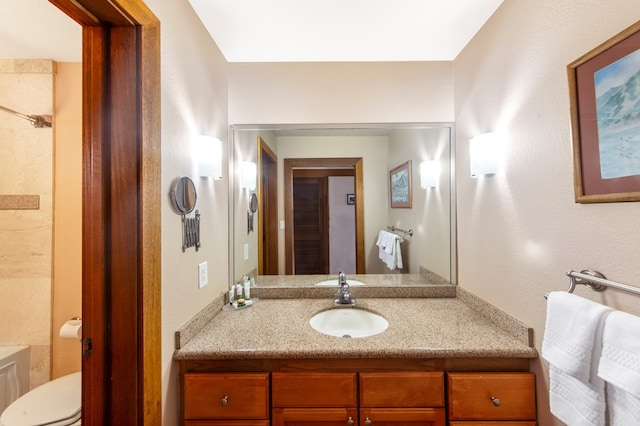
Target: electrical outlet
point(203, 275)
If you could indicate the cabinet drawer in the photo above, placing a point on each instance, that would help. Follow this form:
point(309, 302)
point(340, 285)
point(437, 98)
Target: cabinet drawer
point(403, 389)
point(489, 423)
point(471, 396)
point(402, 416)
point(226, 395)
point(313, 389)
point(227, 423)
point(316, 416)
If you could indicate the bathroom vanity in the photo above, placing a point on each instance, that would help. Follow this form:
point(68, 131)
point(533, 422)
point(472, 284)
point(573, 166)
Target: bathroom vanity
point(442, 360)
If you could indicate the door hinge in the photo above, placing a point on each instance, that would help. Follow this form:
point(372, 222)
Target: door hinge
point(87, 346)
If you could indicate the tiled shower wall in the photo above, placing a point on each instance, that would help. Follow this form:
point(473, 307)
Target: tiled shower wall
point(26, 168)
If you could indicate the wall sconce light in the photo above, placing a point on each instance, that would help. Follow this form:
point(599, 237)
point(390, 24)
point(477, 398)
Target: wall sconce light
point(429, 174)
point(209, 154)
point(249, 173)
point(485, 151)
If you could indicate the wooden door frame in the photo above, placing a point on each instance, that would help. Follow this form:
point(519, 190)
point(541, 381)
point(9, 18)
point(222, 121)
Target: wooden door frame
point(289, 165)
point(271, 243)
point(121, 380)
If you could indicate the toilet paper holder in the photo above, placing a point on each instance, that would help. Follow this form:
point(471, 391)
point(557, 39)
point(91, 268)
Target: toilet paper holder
point(71, 329)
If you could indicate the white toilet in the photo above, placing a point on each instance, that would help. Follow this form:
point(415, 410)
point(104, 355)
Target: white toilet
point(56, 403)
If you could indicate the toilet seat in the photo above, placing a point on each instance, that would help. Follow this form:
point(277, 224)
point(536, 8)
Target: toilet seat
point(56, 403)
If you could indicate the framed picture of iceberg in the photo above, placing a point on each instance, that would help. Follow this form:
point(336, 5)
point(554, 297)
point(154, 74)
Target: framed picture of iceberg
point(400, 186)
point(604, 87)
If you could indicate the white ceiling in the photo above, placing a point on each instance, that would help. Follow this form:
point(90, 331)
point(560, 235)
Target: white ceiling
point(279, 30)
point(342, 30)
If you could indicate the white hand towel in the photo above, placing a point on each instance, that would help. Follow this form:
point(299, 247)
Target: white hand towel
point(623, 409)
point(397, 254)
point(572, 325)
point(620, 367)
point(389, 249)
point(572, 345)
point(382, 242)
point(620, 362)
point(575, 402)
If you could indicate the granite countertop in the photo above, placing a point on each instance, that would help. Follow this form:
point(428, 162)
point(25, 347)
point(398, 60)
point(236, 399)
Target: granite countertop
point(449, 327)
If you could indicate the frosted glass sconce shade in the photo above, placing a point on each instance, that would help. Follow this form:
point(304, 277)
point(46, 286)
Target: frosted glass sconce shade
point(429, 174)
point(209, 156)
point(484, 154)
point(249, 173)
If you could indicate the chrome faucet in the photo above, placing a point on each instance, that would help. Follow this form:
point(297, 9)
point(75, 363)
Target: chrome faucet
point(344, 297)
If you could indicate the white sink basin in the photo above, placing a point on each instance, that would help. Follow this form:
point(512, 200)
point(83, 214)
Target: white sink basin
point(334, 282)
point(348, 322)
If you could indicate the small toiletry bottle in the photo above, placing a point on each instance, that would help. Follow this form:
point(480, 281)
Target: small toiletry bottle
point(232, 294)
point(238, 291)
point(247, 288)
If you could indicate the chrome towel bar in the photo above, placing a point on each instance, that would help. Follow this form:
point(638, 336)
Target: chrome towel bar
point(408, 232)
point(596, 282)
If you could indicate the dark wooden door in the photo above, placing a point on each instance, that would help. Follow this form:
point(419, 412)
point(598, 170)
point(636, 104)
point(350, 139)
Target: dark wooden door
point(267, 210)
point(310, 225)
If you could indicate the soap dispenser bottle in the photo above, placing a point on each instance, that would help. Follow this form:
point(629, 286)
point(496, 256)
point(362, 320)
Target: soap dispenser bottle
point(247, 288)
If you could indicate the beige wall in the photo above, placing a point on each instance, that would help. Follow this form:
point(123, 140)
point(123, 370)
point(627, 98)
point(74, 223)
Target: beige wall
point(26, 168)
point(194, 101)
point(362, 92)
point(520, 230)
point(67, 214)
point(429, 216)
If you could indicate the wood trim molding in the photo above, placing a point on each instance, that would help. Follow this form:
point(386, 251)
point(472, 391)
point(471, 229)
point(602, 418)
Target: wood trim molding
point(120, 208)
point(289, 164)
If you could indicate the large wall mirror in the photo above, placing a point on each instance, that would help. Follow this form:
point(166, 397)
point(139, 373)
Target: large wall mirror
point(323, 198)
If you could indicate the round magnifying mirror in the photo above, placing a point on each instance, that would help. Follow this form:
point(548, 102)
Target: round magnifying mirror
point(183, 195)
point(253, 203)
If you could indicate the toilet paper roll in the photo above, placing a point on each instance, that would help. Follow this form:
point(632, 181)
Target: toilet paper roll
point(71, 329)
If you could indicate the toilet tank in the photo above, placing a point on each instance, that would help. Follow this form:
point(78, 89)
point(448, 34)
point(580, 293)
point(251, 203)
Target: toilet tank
point(14, 373)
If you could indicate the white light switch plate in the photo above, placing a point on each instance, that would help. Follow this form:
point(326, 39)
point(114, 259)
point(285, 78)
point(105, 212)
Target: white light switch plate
point(203, 275)
point(246, 252)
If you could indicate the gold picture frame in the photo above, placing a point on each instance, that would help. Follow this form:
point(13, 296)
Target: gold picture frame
point(400, 188)
point(605, 126)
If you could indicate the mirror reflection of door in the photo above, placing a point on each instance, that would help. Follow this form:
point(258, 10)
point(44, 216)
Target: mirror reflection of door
point(324, 234)
point(267, 210)
point(310, 223)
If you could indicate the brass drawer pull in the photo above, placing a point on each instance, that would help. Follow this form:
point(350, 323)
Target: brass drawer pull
point(224, 400)
point(368, 422)
point(350, 422)
point(496, 401)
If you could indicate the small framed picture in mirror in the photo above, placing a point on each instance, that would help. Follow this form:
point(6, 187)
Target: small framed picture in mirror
point(400, 186)
point(351, 199)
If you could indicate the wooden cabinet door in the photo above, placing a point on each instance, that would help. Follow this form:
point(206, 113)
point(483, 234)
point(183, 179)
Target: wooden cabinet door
point(402, 417)
point(314, 416)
